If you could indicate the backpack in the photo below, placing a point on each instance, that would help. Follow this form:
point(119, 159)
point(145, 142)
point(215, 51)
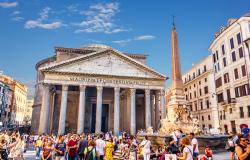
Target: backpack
point(89, 154)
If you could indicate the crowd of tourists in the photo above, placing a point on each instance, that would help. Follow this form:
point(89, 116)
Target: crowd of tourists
point(12, 145)
point(107, 146)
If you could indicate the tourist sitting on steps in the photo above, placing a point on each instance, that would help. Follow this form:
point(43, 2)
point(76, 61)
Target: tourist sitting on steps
point(242, 149)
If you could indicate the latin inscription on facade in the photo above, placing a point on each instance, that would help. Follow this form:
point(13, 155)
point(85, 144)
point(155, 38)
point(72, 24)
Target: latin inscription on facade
point(101, 80)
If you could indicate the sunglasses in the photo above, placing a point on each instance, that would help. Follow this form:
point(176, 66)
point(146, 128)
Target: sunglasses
point(244, 140)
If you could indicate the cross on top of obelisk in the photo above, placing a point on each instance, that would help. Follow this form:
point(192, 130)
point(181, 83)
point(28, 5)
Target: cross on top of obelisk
point(173, 21)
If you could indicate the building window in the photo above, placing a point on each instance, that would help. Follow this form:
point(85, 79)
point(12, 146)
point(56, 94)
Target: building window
point(203, 126)
point(236, 75)
point(199, 71)
point(194, 94)
point(199, 82)
point(191, 108)
point(206, 90)
point(218, 66)
point(200, 92)
point(230, 110)
point(228, 96)
point(224, 114)
point(241, 52)
point(220, 97)
point(196, 108)
point(205, 68)
point(241, 112)
point(217, 55)
point(210, 126)
point(202, 118)
point(205, 79)
point(207, 103)
point(237, 92)
point(214, 58)
point(190, 95)
point(186, 97)
point(243, 69)
point(238, 38)
point(194, 85)
point(223, 49)
point(248, 108)
point(201, 105)
point(220, 115)
point(233, 56)
point(218, 82)
point(224, 62)
point(226, 77)
point(209, 118)
point(232, 43)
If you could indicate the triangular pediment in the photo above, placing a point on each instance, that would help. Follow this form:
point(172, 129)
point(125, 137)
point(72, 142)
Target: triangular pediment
point(107, 62)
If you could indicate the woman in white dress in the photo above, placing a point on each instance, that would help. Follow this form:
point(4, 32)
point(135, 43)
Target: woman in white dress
point(187, 153)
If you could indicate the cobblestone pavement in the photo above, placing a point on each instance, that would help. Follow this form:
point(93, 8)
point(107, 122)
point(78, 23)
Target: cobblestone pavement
point(30, 155)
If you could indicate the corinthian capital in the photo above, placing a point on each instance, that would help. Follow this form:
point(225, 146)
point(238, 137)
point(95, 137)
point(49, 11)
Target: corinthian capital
point(99, 88)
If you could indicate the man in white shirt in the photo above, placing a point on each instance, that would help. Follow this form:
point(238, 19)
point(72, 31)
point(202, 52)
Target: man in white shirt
point(195, 145)
point(146, 144)
point(100, 145)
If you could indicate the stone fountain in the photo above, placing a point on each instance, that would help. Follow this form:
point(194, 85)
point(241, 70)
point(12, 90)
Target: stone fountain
point(179, 116)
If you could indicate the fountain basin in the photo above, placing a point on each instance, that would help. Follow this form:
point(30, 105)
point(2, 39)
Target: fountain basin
point(216, 142)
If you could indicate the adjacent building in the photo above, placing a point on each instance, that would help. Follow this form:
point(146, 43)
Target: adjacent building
point(96, 89)
point(28, 111)
point(199, 90)
point(17, 108)
point(231, 65)
point(5, 103)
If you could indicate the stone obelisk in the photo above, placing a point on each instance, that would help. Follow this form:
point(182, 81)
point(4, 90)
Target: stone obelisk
point(177, 98)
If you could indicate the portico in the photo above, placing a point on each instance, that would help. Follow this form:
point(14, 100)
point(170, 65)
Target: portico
point(120, 95)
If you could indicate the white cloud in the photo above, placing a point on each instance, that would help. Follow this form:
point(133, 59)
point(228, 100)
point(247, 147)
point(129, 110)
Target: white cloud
point(17, 18)
point(16, 12)
point(144, 37)
point(137, 38)
point(100, 18)
point(39, 23)
point(73, 8)
point(122, 42)
point(8, 4)
point(36, 24)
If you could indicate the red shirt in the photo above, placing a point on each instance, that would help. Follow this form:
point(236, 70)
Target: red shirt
point(72, 151)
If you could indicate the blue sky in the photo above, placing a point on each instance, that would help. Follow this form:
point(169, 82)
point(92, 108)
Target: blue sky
point(29, 30)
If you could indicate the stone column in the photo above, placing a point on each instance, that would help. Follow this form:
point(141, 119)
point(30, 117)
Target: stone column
point(81, 112)
point(133, 112)
point(63, 110)
point(163, 106)
point(147, 108)
point(157, 110)
point(44, 112)
point(152, 97)
point(116, 110)
point(98, 120)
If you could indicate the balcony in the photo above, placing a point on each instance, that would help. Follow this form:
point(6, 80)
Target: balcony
point(228, 103)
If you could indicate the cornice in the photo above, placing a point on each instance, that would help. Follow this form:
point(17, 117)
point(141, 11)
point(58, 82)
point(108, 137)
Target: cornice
point(50, 59)
point(101, 75)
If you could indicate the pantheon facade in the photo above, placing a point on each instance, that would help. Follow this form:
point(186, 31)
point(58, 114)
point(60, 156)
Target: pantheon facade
point(96, 89)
